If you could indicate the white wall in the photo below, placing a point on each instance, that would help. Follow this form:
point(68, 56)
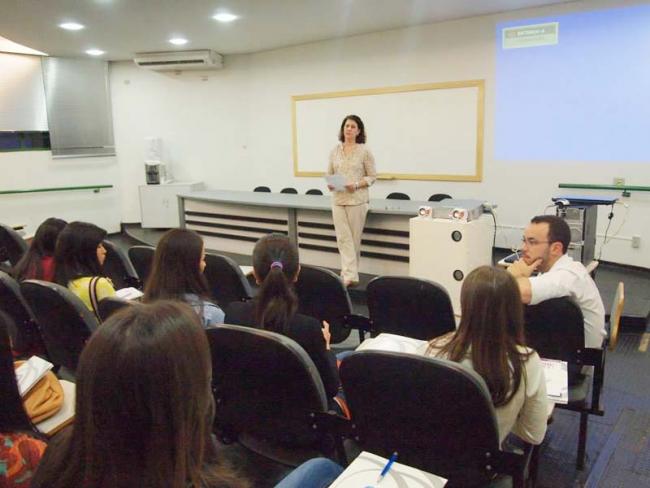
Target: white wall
point(232, 128)
point(26, 170)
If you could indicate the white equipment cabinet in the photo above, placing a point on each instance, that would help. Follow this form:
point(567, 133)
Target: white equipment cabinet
point(159, 203)
point(447, 250)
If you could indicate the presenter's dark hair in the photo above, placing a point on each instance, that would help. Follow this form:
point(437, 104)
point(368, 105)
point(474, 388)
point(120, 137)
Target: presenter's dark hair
point(76, 252)
point(176, 267)
point(490, 332)
point(43, 244)
point(558, 230)
point(13, 417)
point(361, 136)
point(144, 407)
point(276, 265)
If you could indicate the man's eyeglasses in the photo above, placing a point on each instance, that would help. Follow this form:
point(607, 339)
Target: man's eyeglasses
point(530, 242)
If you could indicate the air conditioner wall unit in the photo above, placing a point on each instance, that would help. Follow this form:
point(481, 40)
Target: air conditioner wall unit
point(179, 60)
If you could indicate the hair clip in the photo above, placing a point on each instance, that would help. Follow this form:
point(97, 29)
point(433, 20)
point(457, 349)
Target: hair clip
point(277, 264)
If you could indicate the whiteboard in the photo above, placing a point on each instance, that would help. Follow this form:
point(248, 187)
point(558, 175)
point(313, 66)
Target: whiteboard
point(420, 132)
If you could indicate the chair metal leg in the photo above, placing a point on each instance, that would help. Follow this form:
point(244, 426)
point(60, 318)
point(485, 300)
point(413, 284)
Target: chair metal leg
point(582, 441)
point(362, 336)
point(533, 467)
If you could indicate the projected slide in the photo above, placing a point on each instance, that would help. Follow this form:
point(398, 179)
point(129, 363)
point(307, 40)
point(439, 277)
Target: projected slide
point(574, 87)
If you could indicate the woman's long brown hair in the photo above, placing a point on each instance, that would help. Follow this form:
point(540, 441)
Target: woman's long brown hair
point(144, 407)
point(176, 267)
point(490, 332)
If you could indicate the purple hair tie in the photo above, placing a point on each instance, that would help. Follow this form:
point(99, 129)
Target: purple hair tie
point(277, 264)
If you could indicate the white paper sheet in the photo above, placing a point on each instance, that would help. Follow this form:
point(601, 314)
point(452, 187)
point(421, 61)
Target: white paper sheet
point(337, 181)
point(30, 372)
point(557, 380)
point(129, 293)
point(365, 469)
point(393, 343)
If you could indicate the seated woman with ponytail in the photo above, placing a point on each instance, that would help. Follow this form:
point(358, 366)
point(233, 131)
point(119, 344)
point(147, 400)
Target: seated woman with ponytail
point(276, 268)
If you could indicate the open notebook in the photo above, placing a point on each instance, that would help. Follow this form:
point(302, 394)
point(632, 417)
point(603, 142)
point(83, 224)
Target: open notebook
point(393, 343)
point(365, 469)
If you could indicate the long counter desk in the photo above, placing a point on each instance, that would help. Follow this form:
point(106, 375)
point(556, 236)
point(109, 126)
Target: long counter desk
point(233, 221)
point(393, 242)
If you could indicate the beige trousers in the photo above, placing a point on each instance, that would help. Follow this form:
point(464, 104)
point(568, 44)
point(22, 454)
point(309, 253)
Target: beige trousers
point(348, 224)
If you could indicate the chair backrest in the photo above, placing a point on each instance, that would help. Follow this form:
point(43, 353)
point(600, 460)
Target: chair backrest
point(12, 245)
point(313, 191)
point(293, 191)
point(118, 268)
point(436, 197)
point(109, 305)
point(226, 280)
point(410, 307)
point(436, 414)
point(398, 196)
point(28, 337)
point(65, 322)
point(615, 315)
point(265, 386)
point(555, 329)
point(321, 294)
point(142, 259)
point(264, 189)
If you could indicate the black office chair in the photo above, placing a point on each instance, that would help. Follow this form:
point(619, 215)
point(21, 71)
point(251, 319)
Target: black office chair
point(118, 268)
point(398, 196)
point(313, 191)
point(437, 197)
point(555, 329)
point(226, 280)
point(142, 258)
point(27, 340)
point(65, 322)
point(268, 395)
point(263, 189)
point(292, 191)
point(109, 305)
point(12, 247)
point(321, 294)
point(436, 414)
point(410, 307)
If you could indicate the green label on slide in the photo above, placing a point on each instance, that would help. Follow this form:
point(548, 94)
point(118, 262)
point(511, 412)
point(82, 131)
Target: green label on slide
point(531, 35)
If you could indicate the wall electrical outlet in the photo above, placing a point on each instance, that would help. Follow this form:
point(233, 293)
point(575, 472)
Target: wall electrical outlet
point(618, 181)
point(636, 241)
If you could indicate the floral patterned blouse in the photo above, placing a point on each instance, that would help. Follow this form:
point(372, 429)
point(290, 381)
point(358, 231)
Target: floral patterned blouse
point(19, 456)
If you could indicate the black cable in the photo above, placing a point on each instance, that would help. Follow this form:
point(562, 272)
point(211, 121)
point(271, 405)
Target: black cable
point(494, 237)
point(609, 223)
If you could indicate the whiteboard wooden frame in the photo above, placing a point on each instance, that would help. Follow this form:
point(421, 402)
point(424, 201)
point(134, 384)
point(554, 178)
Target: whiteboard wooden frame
point(480, 114)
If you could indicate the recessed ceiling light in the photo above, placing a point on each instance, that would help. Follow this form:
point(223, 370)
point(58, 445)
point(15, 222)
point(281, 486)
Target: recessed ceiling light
point(178, 41)
point(73, 26)
point(225, 17)
point(94, 52)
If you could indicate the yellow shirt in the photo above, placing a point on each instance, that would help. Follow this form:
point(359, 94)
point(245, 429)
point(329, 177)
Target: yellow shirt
point(80, 288)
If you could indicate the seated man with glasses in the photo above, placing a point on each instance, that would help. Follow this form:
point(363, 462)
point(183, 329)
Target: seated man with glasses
point(544, 247)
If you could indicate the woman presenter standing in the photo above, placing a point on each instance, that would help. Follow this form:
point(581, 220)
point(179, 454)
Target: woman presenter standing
point(354, 161)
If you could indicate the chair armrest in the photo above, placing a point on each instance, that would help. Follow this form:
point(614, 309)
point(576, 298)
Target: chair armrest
point(355, 321)
point(515, 464)
point(337, 426)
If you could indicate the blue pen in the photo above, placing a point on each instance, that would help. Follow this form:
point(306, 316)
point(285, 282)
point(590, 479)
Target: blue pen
point(386, 469)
